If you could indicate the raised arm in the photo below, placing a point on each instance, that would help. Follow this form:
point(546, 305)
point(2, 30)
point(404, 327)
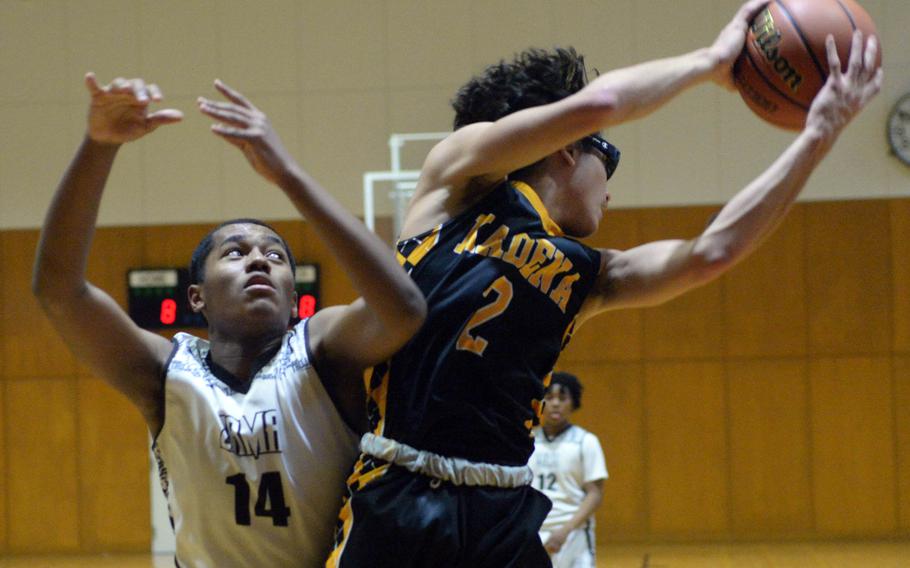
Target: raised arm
point(479, 155)
point(391, 309)
point(656, 272)
point(95, 328)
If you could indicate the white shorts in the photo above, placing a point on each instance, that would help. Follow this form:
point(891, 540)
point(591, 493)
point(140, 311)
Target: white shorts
point(578, 550)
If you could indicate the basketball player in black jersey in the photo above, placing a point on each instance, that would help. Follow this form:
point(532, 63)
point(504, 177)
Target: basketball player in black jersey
point(490, 239)
point(226, 447)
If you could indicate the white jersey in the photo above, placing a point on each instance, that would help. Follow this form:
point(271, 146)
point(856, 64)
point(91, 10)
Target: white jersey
point(561, 468)
point(255, 478)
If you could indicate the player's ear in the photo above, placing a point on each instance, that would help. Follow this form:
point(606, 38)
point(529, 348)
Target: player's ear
point(569, 154)
point(195, 297)
point(294, 306)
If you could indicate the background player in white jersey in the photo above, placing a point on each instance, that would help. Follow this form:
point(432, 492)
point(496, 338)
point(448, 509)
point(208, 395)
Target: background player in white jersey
point(569, 468)
point(251, 441)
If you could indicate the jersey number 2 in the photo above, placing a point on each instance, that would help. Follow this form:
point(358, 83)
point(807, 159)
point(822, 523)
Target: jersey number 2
point(269, 502)
point(474, 343)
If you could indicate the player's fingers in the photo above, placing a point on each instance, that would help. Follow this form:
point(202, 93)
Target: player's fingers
point(164, 116)
point(833, 59)
point(855, 62)
point(224, 111)
point(870, 55)
point(120, 86)
point(221, 105)
point(234, 132)
point(155, 92)
point(748, 10)
point(232, 94)
point(140, 91)
point(91, 83)
point(874, 86)
point(228, 116)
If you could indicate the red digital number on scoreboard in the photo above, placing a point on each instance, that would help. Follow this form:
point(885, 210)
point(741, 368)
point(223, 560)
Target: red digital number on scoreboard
point(306, 306)
point(168, 313)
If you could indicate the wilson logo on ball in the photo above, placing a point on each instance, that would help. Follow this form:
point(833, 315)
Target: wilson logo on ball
point(767, 39)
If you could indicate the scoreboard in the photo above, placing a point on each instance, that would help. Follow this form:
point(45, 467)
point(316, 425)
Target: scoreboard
point(157, 296)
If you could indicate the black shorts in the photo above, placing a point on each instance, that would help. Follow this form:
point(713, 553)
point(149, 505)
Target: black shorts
point(393, 517)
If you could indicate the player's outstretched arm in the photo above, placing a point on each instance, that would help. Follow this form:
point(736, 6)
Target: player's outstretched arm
point(95, 328)
point(392, 307)
point(479, 155)
point(656, 272)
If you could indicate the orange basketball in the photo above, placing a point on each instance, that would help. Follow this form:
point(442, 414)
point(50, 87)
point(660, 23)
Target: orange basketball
point(784, 62)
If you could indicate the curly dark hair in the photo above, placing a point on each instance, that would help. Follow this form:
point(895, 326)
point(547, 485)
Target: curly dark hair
point(197, 262)
point(570, 383)
point(534, 77)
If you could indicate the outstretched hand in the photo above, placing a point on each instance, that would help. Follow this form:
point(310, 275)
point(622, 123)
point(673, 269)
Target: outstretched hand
point(729, 43)
point(846, 93)
point(248, 128)
point(119, 111)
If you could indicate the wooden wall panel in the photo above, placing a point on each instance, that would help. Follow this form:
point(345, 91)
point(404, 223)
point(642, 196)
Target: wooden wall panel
point(612, 408)
point(114, 477)
point(336, 287)
point(686, 440)
point(765, 296)
point(43, 453)
point(902, 420)
point(849, 277)
point(114, 251)
point(687, 450)
point(900, 263)
point(853, 447)
point(171, 245)
point(691, 326)
point(29, 349)
point(616, 335)
point(3, 413)
point(771, 493)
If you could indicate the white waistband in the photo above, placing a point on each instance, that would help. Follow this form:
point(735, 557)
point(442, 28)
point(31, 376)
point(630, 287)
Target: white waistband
point(454, 470)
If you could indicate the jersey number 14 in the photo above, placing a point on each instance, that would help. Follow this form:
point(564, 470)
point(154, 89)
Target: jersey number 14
point(269, 502)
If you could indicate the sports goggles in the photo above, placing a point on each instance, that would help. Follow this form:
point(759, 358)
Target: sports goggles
point(610, 153)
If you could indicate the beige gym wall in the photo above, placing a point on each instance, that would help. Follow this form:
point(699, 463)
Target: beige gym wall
point(338, 77)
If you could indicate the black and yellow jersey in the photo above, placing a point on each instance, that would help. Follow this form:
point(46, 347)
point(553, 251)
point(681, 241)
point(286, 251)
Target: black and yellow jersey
point(503, 287)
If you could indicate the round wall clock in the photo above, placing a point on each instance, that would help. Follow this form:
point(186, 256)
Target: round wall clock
point(899, 129)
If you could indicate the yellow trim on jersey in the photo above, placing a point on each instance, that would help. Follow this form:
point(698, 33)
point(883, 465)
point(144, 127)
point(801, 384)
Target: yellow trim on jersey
point(549, 224)
point(425, 246)
point(346, 516)
point(368, 477)
point(379, 395)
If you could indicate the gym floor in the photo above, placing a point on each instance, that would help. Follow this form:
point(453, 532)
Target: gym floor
point(777, 555)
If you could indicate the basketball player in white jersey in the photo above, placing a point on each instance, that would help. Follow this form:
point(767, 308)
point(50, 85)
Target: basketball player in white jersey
point(253, 443)
point(569, 468)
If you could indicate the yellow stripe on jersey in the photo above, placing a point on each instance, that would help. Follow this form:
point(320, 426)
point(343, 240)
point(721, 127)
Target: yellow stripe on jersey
point(549, 224)
point(356, 481)
point(346, 516)
point(425, 246)
point(377, 395)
